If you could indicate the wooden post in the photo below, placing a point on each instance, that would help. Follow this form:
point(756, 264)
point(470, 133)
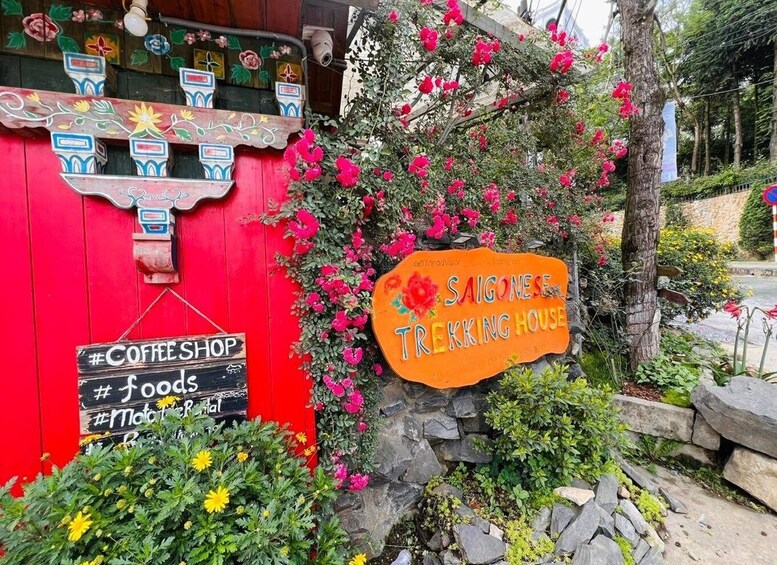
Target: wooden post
point(774, 230)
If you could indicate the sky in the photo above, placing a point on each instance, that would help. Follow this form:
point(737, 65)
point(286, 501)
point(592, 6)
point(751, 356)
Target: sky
point(592, 15)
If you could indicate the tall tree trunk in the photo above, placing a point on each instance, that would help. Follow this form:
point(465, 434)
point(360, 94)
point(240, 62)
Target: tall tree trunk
point(773, 142)
point(738, 135)
point(696, 146)
point(755, 119)
point(707, 137)
point(727, 139)
point(640, 226)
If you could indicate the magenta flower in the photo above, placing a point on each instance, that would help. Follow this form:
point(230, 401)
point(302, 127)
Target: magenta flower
point(353, 355)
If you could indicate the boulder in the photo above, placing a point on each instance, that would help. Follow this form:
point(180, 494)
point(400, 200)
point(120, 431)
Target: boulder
point(393, 453)
point(637, 475)
point(580, 483)
point(424, 465)
point(705, 435)
point(607, 492)
point(404, 558)
point(626, 530)
point(560, 518)
point(476, 547)
point(577, 495)
point(640, 551)
point(580, 531)
point(466, 449)
point(653, 557)
point(631, 512)
point(440, 427)
point(744, 411)
point(541, 521)
point(606, 523)
point(449, 558)
point(655, 418)
point(430, 559)
point(467, 404)
point(695, 454)
point(754, 473)
point(675, 504)
point(601, 551)
point(445, 489)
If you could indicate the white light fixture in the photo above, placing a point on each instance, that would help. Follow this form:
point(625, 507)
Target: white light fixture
point(135, 18)
point(321, 40)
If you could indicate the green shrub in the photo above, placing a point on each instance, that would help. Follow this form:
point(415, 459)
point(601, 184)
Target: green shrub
point(251, 501)
point(667, 373)
point(701, 187)
point(674, 215)
point(705, 279)
point(522, 547)
point(755, 225)
point(625, 547)
point(550, 428)
point(650, 507)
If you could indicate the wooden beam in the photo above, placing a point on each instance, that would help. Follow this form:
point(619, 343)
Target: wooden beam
point(366, 4)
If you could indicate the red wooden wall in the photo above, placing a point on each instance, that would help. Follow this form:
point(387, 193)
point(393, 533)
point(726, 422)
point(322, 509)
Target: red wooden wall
point(69, 279)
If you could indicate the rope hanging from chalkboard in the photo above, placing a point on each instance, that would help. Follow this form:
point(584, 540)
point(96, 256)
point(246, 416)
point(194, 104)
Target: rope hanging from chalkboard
point(179, 297)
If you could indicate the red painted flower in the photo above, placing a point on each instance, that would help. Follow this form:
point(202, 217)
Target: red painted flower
point(41, 27)
point(420, 295)
point(250, 60)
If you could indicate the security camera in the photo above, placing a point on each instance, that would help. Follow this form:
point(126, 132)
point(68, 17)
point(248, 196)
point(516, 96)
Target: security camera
point(321, 41)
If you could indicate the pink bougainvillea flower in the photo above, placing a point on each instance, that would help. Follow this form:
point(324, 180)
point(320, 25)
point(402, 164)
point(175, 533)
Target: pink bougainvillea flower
point(472, 216)
point(484, 51)
point(312, 174)
point(359, 481)
point(306, 225)
point(567, 178)
point(579, 128)
point(427, 85)
point(453, 15)
point(562, 96)
point(418, 166)
point(733, 308)
point(511, 218)
point(622, 90)
point(450, 85)
point(487, 239)
point(449, 162)
point(437, 229)
point(393, 16)
point(349, 172)
point(562, 62)
point(340, 474)
point(353, 355)
point(429, 38)
point(361, 426)
point(378, 368)
point(341, 322)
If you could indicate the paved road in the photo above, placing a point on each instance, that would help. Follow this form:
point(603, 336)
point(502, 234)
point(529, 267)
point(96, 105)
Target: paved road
point(722, 328)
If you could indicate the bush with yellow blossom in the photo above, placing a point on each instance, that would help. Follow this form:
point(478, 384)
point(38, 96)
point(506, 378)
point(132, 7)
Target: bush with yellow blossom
point(188, 491)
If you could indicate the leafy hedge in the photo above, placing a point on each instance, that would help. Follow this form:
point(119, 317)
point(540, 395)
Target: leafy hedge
point(701, 187)
point(755, 224)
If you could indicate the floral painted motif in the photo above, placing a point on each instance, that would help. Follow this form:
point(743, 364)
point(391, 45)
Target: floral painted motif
point(40, 27)
point(250, 60)
point(418, 298)
point(157, 44)
point(104, 45)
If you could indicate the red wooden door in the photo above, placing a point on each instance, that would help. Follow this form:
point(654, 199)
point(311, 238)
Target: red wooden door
point(70, 280)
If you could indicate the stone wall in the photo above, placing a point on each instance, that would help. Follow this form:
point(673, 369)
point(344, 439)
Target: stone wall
point(720, 214)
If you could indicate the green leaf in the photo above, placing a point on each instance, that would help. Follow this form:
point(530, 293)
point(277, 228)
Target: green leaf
point(177, 36)
point(176, 62)
point(264, 76)
point(139, 57)
point(16, 40)
point(182, 134)
point(103, 107)
point(12, 8)
point(233, 43)
point(240, 74)
point(60, 13)
point(68, 44)
point(266, 51)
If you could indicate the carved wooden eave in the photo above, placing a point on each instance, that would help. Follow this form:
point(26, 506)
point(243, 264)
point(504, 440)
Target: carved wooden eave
point(117, 119)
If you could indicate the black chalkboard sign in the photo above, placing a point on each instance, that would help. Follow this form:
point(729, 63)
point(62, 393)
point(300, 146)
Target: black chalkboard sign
point(122, 385)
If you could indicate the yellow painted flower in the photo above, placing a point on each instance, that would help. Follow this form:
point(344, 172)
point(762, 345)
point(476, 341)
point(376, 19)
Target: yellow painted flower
point(81, 106)
point(187, 115)
point(145, 118)
point(242, 456)
point(34, 96)
point(202, 460)
point(78, 526)
point(167, 401)
point(360, 559)
point(216, 500)
point(302, 438)
point(310, 451)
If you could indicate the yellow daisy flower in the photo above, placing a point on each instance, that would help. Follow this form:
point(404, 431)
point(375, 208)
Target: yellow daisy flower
point(301, 438)
point(360, 559)
point(145, 118)
point(216, 500)
point(242, 456)
point(78, 526)
point(202, 460)
point(167, 401)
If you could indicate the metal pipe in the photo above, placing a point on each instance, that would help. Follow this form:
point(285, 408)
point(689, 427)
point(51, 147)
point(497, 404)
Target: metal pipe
point(246, 33)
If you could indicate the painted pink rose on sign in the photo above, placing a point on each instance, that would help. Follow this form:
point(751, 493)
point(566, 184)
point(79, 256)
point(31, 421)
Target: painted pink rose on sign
point(41, 27)
point(250, 60)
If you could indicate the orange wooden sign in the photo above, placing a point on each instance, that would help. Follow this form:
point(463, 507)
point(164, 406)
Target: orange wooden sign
point(453, 318)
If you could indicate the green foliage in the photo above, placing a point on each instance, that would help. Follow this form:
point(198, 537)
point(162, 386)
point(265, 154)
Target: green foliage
point(674, 215)
point(522, 548)
point(625, 547)
point(146, 503)
point(677, 397)
point(755, 225)
point(656, 448)
point(666, 372)
point(550, 428)
point(650, 507)
point(710, 185)
point(599, 367)
point(705, 279)
point(439, 509)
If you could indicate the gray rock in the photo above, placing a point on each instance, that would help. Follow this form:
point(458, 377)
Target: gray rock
point(696, 455)
point(653, 557)
point(623, 492)
point(640, 551)
point(347, 501)
point(754, 473)
point(466, 450)
point(705, 435)
point(430, 559)
point(653, 539)
point(466, 404)
point(431, 400)
point(411, 430)
point(541, 521)
point(484, 525)
point(577, 495)
point(404, 558)
point(675, 504)
point(392, 399)
point(445, 489)
point(626, 530)
point(606, 523)
point(440, 427)
point(639, 477)
point(744, 411)
point(475, 425)
point(632, 513)
point(435, 543)
point(580, 531)
point(580, 483)
point(655, 418)
point(607, 492)
point(495, 531)
point(476, 547)
point(576, 371)
point(393, 452)
point(449, 558)
point(414, 390)
point(601, 551)
point(391, 408)
point(560, 518)
point(424, 465)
